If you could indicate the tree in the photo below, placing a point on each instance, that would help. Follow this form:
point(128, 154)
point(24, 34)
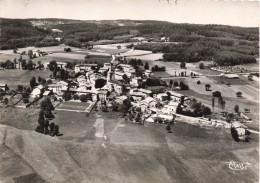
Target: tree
point(198, 82)
point(76, 97)
point(56, 130)
point(100, 83)
point(182, 100)
point(83, 98)
point(67, 49)
point(182, 65)
point(146, 66)
point(41, 121)
point(171, 83)
point(5, 101)
point(213, 103)
point(24, 64)
point(125, 78)
point(250, 77)
point(53, 65)
point(39, 129)
point(201, 65)
point(46, 104)
point(30, 65)
point(239, 94)
point(236, 108)
point(66, 95)
point(33, 82)
point(19, 88)
point(168, 128)
point(118, 46)
point(39, 79)
point(30, 54)
point(46, 126)
point(206, 111)
point(216, 94)
point(183, 86)
point(207, 86)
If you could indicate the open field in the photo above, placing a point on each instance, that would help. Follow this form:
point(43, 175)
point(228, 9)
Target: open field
point(73, 106)
point(136, 153)
point(11, 57)
point(162, 74)
point(67, 55)
point(47, 49)
point(16, 77)
point(149, 57)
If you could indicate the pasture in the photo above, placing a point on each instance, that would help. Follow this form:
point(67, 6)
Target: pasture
point(16, 77)
point(134, 151)
point(47, 49)
point(73, 106)
point(68, 55)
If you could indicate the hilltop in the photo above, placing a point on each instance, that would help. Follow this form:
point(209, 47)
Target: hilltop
point(181, 42)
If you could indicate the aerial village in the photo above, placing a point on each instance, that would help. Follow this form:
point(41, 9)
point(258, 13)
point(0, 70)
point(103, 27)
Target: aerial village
point(129, 86)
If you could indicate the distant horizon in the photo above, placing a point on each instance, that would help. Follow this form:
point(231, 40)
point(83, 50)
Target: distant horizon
point(128, 20)
point(231, 13)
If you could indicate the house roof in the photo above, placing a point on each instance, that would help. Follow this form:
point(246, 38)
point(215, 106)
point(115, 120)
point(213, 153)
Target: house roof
point(139, 94)
point(62, 83)
point(40, 87)
point(123, 97)
point(36, 91)
point(2, 84)
point(120, 73)
point(148, 100)
point(162, 94)
point(46, 93)
point(238, 125)
point(231, 75)
point(145, 91)
point(172, 103)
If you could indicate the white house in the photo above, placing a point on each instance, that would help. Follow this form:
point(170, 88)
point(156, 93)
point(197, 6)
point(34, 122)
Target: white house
point(175, 96)
point(137, 96)
point(120, 99)
point(119, 75)
point(115, 86)
point(136, 81)
point(37, 92)
point(58, 39)
point(145, 91)
point(85, 67)
point(59, 87)
point(241, 130)
point(161, 96)
point(147, 102)
point(148, 73)
point(3, 86)
point(170, 108)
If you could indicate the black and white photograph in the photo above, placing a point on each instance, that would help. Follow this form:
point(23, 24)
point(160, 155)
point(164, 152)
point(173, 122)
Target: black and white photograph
point(129, 91)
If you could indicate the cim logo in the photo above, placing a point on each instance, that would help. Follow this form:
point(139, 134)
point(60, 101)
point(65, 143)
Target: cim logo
point(233, 165)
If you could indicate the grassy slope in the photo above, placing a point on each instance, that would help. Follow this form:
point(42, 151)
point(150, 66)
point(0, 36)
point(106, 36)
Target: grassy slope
point(132, 153)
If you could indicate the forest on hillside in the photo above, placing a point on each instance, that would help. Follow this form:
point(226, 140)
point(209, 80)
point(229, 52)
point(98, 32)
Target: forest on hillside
point(226, 45)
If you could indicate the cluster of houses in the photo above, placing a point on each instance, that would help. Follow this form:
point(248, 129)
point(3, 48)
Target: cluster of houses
point(115, 88)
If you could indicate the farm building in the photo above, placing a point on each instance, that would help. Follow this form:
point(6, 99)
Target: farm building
point(3, 87)
point(37, 92)
point(230, 76)
point(240, 129)
point(148, 102)
point(59, 87)
point(121, 99)
point(85, 67)
point(170, 108)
